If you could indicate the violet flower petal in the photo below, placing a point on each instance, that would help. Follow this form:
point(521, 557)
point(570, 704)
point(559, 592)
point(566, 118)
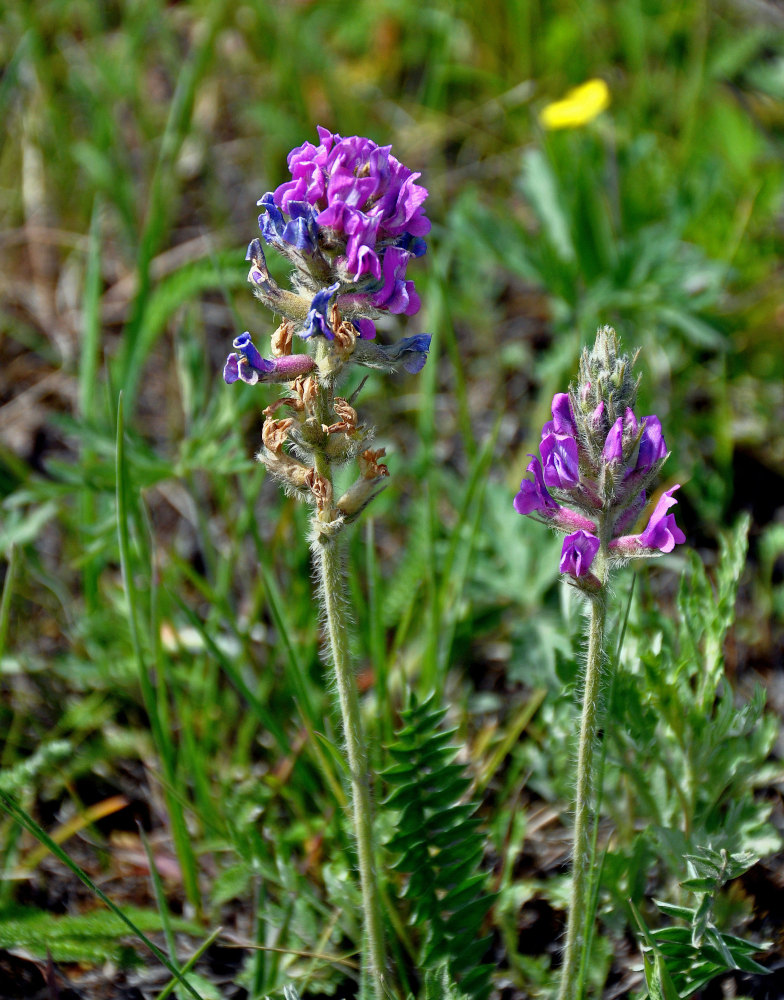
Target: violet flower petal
point(613, 444)
point(652, 446)
point(317, 320)
point(533, 496)
point(560, 461)
point(662, 532)
point(563, 421)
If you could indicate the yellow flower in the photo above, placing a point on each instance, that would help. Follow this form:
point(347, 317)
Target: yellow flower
point(580, 106)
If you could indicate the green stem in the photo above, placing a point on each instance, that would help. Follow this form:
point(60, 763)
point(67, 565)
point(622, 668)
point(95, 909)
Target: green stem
point(330, 578)
point(325, 540)
point(570, 988)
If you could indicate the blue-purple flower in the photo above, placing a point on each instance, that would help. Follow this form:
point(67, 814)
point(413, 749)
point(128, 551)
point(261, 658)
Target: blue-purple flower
point(652, 446)
point(317, 320)
point(247, 365)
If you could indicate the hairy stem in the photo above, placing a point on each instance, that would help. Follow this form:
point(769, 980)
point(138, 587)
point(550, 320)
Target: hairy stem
point(331, 587)
point(329, 571)
point(570, 988)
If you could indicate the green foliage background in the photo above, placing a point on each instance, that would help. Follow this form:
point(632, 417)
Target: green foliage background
point(137, 138)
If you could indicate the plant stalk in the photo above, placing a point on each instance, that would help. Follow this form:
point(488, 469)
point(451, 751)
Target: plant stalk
point(570, 988)
point(332, 587)
point(330, 578)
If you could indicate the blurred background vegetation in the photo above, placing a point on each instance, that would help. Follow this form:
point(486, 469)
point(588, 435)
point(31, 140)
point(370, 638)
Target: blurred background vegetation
point(190, 703)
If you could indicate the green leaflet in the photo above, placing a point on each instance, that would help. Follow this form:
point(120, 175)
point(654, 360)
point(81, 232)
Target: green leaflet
point(439, 849)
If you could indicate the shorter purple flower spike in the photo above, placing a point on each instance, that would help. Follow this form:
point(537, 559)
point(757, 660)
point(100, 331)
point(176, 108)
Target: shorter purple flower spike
point(613, 445)
point(578, 553)
point(533, 496)
point(652, 446)
point(317, 320)
point(559, 458)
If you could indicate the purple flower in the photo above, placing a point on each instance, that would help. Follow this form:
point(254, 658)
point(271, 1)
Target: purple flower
point(361, 192)
point(559, 458)
point(412, 352)
point(652, 446)
point(396, 295)
point(630, 424)
point(533, 496)
point(317, 320)
point(662, 532)
point(301, 232)
point(246, 365)
point(578, 553)
point(613, 445)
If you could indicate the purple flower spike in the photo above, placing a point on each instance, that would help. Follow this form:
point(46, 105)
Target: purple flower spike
point(317, 320)
point(652, 446)
point(578, 553)
point(662, 532)
point(563, 421)
point(533, 496)
point(559, 458)
point(613, 445)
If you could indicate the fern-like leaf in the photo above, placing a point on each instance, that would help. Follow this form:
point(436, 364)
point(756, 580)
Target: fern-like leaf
point(439, 848)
